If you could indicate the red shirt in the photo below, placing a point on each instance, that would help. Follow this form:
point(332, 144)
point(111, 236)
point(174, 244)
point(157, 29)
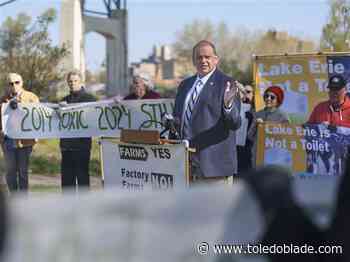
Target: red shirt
point(324, 112)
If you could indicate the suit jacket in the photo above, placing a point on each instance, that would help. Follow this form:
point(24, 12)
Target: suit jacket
point(211, 128)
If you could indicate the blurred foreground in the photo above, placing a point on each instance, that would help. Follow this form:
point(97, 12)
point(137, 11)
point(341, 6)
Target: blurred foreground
point(148, 226)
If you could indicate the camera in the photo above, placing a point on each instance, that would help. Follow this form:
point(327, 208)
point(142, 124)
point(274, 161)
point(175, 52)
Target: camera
point(14, 103)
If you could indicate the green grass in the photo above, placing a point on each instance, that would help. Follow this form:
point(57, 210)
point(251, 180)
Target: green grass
point(44, 189)
point(46, 159)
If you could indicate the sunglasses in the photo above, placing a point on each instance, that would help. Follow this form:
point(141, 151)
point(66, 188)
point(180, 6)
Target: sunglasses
point(248, 91)
point(272, 97)
point(14, 83)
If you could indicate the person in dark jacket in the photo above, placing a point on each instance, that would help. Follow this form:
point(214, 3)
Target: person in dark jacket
point(75, 151)
point(244, 153)
point(141, 88)
point(207, 106)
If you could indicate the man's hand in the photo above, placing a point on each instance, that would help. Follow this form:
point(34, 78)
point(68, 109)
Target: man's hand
point(231, 91)
point(62, 104)
point(259, 120)
point(117, 99)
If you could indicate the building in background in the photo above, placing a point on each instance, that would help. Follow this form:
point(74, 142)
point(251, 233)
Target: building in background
point(161, 65)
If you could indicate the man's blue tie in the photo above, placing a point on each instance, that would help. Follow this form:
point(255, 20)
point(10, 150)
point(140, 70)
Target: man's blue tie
point(190, 106)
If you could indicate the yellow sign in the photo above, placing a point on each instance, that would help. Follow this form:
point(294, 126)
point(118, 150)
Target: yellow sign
point(303, 78)
point(314, 149)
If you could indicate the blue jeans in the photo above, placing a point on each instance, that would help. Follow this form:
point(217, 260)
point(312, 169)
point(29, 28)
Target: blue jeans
point(17, 163)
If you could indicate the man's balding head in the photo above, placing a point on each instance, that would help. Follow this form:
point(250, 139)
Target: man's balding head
point(204, 57)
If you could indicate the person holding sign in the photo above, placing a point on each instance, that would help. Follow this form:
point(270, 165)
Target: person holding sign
point(75, 151)
point(273, 98)
point(16, 151)
point(207, 107)
point(336, 110)
point(142, 88)
point(333, 112)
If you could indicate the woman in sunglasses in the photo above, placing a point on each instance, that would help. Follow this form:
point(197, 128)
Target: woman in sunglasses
point(273, 99)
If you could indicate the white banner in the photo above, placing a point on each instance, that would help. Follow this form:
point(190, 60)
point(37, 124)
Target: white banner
point(104, 118)
point(241, 133)
point(143, 167)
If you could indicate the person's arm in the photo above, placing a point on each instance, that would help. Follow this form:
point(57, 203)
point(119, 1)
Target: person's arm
point(35, 99)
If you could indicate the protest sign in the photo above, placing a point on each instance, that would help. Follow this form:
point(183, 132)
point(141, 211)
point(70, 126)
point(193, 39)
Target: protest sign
point(136, 167)
point(307, 149)
point(104, 118)
point(304, 79)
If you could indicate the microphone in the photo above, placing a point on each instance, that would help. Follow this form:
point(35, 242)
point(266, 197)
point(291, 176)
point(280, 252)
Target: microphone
point(170, 123)
point(13, 101)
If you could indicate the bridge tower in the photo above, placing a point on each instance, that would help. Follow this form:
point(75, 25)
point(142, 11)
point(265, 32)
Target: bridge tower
point(76, 20)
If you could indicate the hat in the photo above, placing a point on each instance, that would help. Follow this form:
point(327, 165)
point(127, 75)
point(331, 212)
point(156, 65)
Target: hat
point(278, 93)
point(336, 82)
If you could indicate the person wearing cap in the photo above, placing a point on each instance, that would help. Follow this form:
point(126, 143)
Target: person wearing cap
point(336, 110)
point(273, 99)
point(141, 88)
point(16, 151)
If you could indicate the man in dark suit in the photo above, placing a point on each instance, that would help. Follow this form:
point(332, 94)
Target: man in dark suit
point(207, 106)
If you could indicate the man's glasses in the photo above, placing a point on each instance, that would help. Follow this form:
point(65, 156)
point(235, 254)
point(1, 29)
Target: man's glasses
point(272, 97)
point(14, 83)
point(248, 91)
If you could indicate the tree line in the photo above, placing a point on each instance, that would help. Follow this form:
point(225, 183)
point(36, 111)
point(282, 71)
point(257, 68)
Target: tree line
point(26, 48)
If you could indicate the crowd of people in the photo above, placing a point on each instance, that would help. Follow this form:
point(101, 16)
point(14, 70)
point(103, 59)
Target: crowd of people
point(75, 152)
point(207, 107)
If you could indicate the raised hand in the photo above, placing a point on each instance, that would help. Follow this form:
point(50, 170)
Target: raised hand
point(62, 104)
point(231, 91)
point(117, 99)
